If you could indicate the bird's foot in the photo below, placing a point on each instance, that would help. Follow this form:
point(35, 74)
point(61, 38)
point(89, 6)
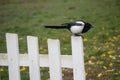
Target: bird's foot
point(79, 35)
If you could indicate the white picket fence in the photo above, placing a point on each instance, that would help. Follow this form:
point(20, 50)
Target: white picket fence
point(54, 60)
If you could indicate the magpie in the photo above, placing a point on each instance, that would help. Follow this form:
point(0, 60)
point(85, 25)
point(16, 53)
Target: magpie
point(75, 28)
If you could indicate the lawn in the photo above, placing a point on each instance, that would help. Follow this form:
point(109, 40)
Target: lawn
point(101, 43)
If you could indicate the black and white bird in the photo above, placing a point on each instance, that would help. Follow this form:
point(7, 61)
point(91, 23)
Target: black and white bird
point(75, 28)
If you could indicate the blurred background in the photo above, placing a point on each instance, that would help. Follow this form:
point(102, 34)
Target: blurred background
point(101, 43)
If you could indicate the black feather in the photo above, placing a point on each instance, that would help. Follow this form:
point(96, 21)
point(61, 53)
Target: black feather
point(86, 27)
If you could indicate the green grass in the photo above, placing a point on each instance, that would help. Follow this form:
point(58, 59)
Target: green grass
point(102, 42)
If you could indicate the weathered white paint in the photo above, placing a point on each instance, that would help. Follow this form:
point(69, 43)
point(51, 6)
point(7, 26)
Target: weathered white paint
point(78, 58)
point(54, 59)
point(13, 56)
point(33, 53)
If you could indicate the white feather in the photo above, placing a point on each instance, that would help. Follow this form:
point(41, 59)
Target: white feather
point(80, 22)
point(76, 29)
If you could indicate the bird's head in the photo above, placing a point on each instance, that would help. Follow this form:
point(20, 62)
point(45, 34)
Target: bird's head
point(88, 25)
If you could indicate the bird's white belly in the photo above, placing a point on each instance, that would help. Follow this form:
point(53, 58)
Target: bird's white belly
point(76, 29)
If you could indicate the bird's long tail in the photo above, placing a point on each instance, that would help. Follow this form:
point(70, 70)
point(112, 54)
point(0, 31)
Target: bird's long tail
point(56, 27)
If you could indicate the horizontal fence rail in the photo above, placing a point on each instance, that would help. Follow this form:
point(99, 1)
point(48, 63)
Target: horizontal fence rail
point(34, 60)
point(66, 60)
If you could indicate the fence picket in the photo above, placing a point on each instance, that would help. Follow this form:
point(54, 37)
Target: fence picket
point(13, 56)
point(33, 53)
point(54, 59)
point(78, 58)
